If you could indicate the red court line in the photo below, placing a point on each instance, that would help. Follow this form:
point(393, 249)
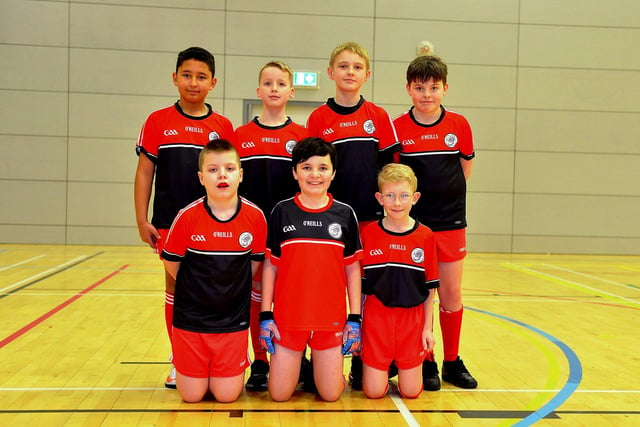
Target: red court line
point(53, 311)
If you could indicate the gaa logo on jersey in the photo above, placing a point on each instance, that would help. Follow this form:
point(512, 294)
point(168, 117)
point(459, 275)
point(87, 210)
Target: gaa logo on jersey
point(213, 135)
point(245, 239)
point(451, 140)
point(290, 145)
point(369, 127)
point(335, 230)
point(417, 255)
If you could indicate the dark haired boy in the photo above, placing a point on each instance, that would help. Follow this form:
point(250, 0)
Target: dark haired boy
point(168, 148)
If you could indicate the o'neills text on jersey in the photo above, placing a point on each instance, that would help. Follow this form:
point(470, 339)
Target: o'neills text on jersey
point(397, 247)
point(222, 234)
point(271, 140)
point(193, 129)
point(312, 223)
point(348, 124)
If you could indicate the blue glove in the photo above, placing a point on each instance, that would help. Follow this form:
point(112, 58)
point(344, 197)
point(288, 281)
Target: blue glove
point(351, 334)
point(268, 331)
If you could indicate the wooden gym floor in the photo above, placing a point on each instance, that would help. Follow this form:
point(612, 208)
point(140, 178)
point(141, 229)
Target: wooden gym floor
point(552, 340)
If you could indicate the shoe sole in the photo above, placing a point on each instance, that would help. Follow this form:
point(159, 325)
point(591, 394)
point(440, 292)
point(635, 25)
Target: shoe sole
point(465, 386)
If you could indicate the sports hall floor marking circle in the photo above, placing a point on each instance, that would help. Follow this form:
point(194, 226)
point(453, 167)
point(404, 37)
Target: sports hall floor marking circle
point(573, 380)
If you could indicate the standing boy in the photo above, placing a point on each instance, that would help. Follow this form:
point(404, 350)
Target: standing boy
point(265, 145)
point(400, 277)
point(213, 248)
point(437, 144)
point(171, 140)
point(312, 268)
point(364, 137)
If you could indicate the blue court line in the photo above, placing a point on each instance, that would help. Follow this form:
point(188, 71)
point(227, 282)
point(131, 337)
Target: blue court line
point(575, 372)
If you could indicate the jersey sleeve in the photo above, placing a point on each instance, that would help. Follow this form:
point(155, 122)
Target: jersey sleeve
point(312, 126)
point(432, 277)
point(466, 140)
point(273, 250)
point(176, 245)
point(388, 139)
point(227, 131)
point(147, 143)
point(260, 241)
point(353, 245)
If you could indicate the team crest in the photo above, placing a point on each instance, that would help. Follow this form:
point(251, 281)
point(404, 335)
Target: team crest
point(335, 230)
point(290, 145)
point(369, 127)
point(451, 140)
point(417, 255)
point(245, 239)
point(213, 136)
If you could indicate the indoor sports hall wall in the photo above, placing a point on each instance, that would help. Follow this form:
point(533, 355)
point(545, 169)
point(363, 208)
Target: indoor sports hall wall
point(551, 90)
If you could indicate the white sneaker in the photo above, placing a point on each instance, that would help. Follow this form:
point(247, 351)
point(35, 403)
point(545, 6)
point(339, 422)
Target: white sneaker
point(170, 382)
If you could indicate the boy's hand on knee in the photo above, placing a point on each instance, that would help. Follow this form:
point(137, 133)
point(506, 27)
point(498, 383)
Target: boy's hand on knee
point(351, 334)
point(268, 331)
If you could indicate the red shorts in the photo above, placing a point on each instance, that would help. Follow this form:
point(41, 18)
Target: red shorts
point(392, 334)
point(164, 232)
point(451, 245)
point(199, 355)
point(317, 340)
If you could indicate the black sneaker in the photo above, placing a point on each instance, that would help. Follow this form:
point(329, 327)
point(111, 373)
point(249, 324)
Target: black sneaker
point(457, 374)
point(306, 376)
point(355, 376)
point(259, 376)
point(430, 378)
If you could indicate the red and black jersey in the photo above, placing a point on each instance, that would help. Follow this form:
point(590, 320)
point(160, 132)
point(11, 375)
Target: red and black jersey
point(400, 269)
point(433, 152)
point(365, 140)
point(173, 140)
point(213, 287)
point(311, 249)
point(265, 154)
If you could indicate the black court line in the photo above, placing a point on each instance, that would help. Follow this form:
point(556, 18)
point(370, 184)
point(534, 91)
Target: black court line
point(40, 279)
point(239, 413)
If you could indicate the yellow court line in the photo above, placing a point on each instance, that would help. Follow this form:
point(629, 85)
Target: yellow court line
point(552, 380)
point(564, 282)
point(588, 276)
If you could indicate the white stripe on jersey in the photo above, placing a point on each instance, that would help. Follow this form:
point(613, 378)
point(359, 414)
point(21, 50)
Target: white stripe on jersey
point(393, 264)
point(351, 139)
point(211, 253)
point(199, 147)
point(429, 153)
point(312, 241)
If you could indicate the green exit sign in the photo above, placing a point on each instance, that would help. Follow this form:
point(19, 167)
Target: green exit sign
point(308, 79)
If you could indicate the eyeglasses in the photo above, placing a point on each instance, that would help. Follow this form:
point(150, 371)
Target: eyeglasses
point(404, 198)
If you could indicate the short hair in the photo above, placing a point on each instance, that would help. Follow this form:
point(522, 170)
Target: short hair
point(199, 54)
point(394, 173)
point(217, 146)
point(353, 47)
point(279, 65)
point(427, 67)
point(313, 146)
